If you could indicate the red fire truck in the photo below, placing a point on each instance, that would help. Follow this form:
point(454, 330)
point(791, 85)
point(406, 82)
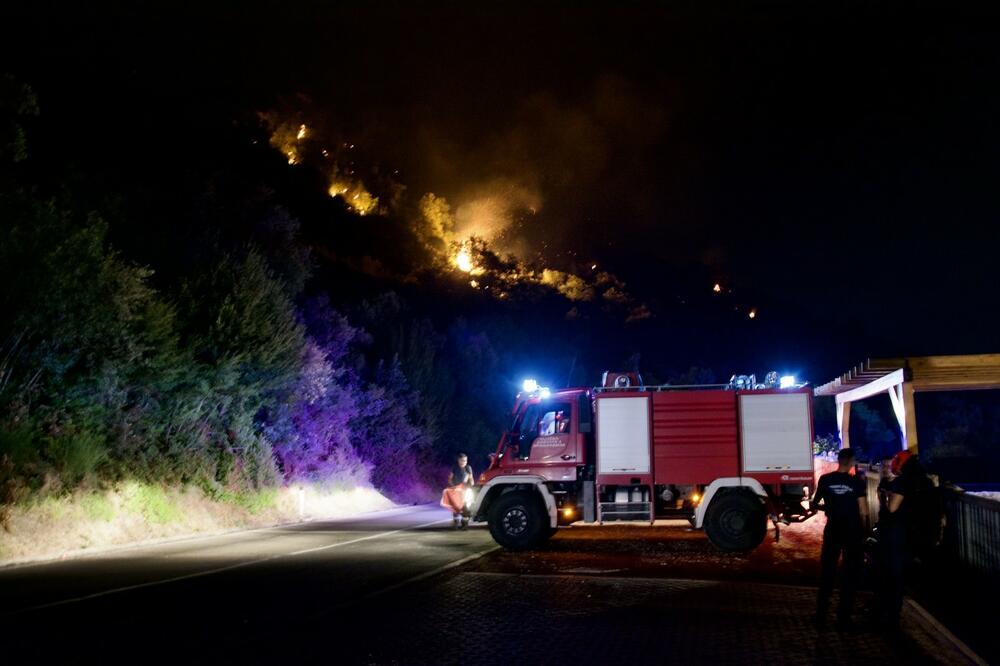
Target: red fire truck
point(728, 457)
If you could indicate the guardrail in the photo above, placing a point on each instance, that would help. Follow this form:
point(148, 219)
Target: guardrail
point(972, 531)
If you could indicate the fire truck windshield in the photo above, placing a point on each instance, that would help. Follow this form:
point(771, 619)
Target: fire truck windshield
point(540, 419)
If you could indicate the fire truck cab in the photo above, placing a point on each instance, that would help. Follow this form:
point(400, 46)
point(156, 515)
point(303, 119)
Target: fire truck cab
point(726, 457)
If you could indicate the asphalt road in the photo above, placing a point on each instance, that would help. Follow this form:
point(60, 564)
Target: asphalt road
point(402, 587)
point(202, 599)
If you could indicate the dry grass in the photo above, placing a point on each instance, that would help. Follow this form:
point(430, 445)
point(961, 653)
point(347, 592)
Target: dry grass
point(135, 512)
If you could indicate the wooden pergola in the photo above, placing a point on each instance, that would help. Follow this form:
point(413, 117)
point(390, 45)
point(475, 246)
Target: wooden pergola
point(901, 378)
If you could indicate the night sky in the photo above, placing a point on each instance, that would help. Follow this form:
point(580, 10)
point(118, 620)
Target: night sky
point(833, 169)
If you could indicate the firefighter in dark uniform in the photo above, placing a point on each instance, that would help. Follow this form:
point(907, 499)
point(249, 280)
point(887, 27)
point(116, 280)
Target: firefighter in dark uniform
point(900, 530)
point(842, 497)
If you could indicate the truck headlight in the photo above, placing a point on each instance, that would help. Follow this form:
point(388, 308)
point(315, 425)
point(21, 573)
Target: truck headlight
point(470, 497)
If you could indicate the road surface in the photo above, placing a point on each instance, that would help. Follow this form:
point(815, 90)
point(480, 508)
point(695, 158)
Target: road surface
point(403, 588)
point(208, 597)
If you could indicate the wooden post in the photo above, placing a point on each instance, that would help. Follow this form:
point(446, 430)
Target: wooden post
point(896, 398)
point(844, 423)
point(910, 433)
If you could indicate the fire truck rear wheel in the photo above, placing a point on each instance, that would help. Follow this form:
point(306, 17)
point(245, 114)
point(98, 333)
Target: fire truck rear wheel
point(736, 521)
point(516, 521)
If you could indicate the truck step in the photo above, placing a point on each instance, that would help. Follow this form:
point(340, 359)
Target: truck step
point(616, 511)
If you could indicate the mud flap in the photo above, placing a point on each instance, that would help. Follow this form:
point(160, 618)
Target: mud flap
point(588, 502)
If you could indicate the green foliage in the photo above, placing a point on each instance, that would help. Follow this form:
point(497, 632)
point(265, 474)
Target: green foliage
point(97, 506)
point(151, 502)
point(18, 444)
point(201, 373)
point(826, 444)
point(254, 501)
point(11, 489)
point(77, 455)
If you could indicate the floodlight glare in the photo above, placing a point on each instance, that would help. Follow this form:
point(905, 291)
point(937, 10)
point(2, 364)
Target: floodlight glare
point(530, 386)
point(788, 381)
point(544, 393)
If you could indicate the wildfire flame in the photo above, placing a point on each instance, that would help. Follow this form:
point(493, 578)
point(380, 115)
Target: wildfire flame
point(476, 240)
point(463, 258)
point(354, 194)
point(464, 261)
point(286, 137)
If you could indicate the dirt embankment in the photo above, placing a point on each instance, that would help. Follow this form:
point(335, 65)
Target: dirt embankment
point(135, 512)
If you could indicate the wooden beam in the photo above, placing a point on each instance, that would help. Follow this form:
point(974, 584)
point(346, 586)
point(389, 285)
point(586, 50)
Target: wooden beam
point(910, 412)
point(886, 363)
point(957, 372)
point(961, 372)
point(923, 386)
point(844, 423)
point(871, 388)
point(954, 361)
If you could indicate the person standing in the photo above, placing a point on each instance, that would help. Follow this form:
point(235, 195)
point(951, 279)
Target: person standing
point(842, 497)
point(900, 499)
point(460, 478)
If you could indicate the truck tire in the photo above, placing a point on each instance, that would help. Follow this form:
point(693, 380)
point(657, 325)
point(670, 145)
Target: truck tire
point(517, 521)
point(736, 522)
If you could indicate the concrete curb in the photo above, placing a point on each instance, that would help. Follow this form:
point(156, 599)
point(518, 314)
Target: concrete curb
point(147, 543)
point(944, 633)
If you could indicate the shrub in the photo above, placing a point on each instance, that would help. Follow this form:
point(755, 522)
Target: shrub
point(826, 444)
point(77, 456)
point(259, 467)
point(254, 501)
point(11, 489)
point(151, 502)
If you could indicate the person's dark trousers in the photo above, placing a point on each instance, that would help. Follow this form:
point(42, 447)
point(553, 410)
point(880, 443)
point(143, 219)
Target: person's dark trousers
point(895, 558)
point(837, 541)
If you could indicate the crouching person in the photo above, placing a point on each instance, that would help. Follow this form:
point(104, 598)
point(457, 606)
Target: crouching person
point(460, 479)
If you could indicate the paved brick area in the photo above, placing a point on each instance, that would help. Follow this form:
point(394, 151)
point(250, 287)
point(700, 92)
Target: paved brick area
point(559, 619)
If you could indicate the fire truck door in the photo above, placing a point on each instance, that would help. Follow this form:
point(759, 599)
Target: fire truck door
point(554, 442)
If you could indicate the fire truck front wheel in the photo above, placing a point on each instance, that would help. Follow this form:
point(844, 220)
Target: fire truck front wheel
point(736, 521)
point(517, 521)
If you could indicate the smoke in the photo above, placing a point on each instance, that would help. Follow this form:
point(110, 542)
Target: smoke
point(581, 157)
point(490, 210)
point(511, 207)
